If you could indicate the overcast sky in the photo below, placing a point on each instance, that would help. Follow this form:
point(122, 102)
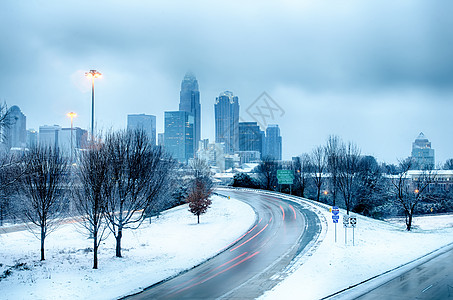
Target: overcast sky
point(374, 72)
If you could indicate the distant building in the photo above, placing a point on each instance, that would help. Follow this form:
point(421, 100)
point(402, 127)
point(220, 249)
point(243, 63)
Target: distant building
point(16, 132)
point(249, 156)
point(32, 138)
point(48, 136)
point(160, 139)
point(251, 137)
point(147, 123)
point(213, 153)
point(189, 101)
point(227, 121)
point(79, 139)
point(422, 154)
point(273, 143)
point(179, 135)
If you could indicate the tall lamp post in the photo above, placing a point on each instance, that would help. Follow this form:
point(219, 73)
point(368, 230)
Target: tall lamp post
point(72, 115)
point(92, 74)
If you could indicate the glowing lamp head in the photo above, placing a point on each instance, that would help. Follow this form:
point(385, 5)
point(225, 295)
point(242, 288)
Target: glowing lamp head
point(71, 115)
point(416, 191)
point(93, 74)
point(326, 192)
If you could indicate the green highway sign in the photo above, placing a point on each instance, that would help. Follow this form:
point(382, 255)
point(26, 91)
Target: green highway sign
point(285, 176)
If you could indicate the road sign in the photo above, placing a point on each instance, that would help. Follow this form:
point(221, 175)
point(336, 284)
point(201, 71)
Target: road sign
point(353, 221)
point(335, 221)
point(346, 221)
point(285, 176)
point(335, 210)
point(335, 217)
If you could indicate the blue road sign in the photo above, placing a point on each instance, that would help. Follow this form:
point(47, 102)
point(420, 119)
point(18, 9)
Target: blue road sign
point(335, 221)
point(335, 217)
point(335, 210)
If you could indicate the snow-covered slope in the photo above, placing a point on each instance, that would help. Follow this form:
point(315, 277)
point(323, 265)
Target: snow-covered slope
point(378, 247)
point(169, 245)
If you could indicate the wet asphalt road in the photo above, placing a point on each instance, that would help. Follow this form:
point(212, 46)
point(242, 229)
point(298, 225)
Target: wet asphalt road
point(430, 280)
point(253, 263)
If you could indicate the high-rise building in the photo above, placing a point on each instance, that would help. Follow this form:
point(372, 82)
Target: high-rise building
point(32, 138)
point(48, 136)
point(422, 154)
point(227, 121)
point(179, 135)
point(16, 131)
point(273, 143)
point(147, 123)
point(251, 137)
point(190, 102)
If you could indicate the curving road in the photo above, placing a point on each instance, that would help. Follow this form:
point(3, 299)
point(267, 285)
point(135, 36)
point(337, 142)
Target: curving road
point(254, 262)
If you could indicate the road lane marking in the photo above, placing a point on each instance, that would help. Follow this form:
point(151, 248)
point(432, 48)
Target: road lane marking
point(427, 288)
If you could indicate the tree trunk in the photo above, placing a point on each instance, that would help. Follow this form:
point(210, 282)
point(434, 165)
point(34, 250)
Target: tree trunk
point(95, 249)
point(118, 242)
point(319, 192)
point(198, 218)
point(43, 236)
point(409, 221)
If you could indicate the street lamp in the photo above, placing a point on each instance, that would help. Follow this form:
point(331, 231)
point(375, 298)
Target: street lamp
point(72, 115)
point(92, 74)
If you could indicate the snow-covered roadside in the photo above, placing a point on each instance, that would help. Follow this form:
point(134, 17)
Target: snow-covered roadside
point(379, 246)
point(171, 244)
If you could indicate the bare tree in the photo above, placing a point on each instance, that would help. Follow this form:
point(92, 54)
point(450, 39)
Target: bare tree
point(43, 186)
point(10, 173)
point(5, 121)
point(448, 164)
point(138, 172)
point(302, 170)
point(90, 192)
point(319, 163)
point(333, 149)
point(267, 173)
point(348, 173)
point(407, 192)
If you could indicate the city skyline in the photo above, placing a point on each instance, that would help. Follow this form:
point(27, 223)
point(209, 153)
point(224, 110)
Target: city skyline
point(375, 73)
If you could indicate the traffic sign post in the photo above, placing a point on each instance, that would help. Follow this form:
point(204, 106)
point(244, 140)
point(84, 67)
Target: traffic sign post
point(345, 224)
point(353, 222)
point(335, 217)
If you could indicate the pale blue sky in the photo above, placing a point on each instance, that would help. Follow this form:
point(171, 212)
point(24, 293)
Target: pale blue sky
point(374, 72)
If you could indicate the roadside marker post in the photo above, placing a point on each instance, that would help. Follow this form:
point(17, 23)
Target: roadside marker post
point(345, 224)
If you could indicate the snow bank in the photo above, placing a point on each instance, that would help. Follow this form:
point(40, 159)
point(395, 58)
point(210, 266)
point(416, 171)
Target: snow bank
point(379, 246)
point(171, 244)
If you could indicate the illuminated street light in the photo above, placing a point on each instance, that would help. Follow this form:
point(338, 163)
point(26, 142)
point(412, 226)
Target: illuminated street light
point(92, 74)
point(72, 115)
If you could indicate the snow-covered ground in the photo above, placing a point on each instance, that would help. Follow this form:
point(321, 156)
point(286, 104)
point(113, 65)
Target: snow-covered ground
point(379, 246)
point(171, 244)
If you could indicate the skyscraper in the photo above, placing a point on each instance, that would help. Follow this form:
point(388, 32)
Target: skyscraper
point(16, 132)
point(422, 154)
point(178, 136)
point(147, 123)
point(227, 121)
point(190, 102)
point(251, 137)
point(273, 143)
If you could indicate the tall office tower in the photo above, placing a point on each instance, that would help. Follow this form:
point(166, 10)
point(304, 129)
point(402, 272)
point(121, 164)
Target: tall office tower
point(16, 132)
point(145, 122)
point(179, 135)
point(190, 102)
point(227, 121)
point(32, 138)
point(422, 154)
point(48, 136)
point(251, 137)
point(273, 143)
